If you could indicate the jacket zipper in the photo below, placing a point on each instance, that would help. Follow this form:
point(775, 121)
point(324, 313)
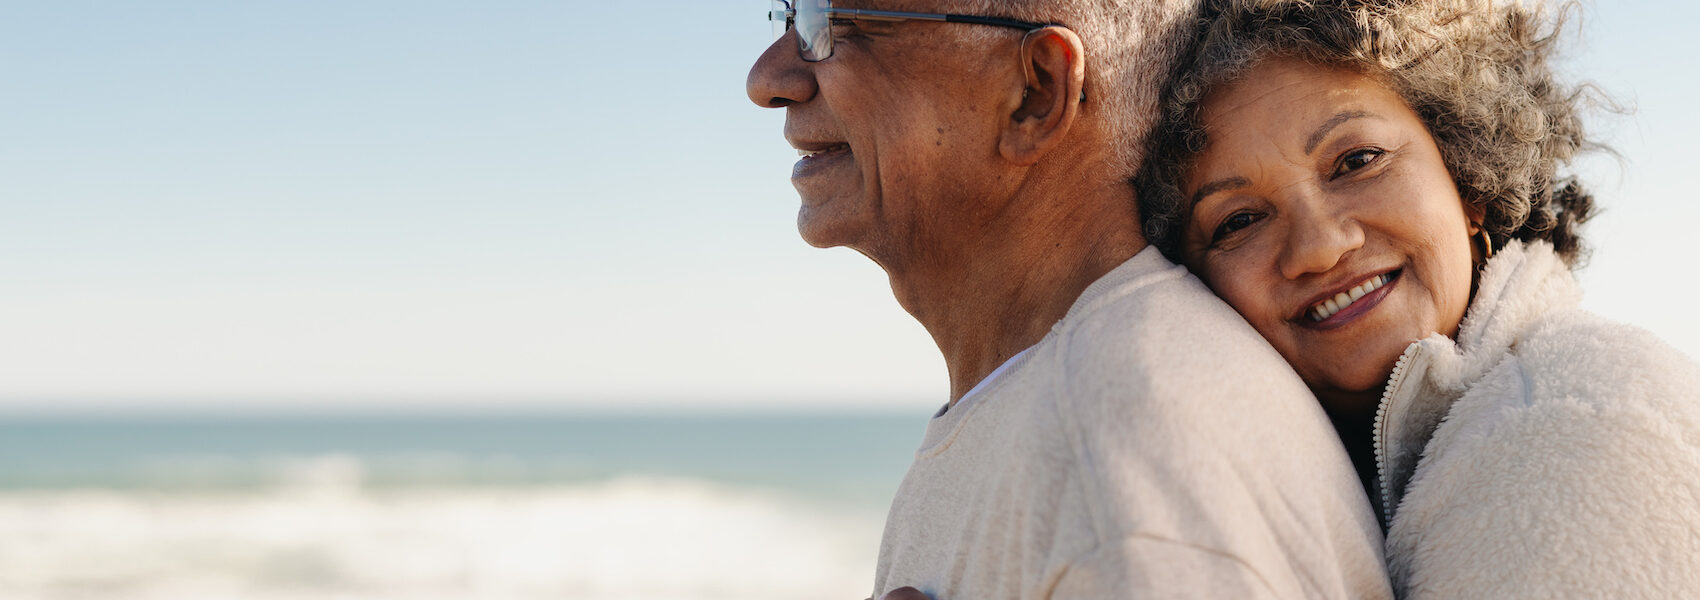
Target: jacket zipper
point(1406, 359)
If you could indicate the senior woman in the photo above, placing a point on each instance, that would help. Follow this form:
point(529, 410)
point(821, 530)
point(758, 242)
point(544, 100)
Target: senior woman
point(1376, 187)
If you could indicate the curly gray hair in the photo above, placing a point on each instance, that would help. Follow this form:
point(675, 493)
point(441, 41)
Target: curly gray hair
point(1475, 73)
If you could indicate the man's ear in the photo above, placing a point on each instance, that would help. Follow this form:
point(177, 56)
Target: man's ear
point(1053, 63)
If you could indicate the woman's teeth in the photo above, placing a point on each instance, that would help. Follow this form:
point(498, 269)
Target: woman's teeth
point(1340, 301)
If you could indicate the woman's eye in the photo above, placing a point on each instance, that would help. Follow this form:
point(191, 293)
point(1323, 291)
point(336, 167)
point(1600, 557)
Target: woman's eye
point(1233, 223)
point(1356, 159)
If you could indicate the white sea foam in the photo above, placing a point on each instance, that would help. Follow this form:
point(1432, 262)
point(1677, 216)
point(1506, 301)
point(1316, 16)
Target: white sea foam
point(325, 536)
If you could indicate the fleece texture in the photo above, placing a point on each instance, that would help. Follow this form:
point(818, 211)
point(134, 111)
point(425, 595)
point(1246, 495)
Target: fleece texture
point(1152, 445)
point(1546, 453)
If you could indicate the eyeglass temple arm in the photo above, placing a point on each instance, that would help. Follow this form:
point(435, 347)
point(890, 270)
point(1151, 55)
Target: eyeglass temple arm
point(892, 15)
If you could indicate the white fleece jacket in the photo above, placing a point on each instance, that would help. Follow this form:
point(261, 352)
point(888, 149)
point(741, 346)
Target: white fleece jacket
point(1547, 453)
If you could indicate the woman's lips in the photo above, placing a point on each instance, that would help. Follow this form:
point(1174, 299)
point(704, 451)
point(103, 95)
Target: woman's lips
point(1347, 305)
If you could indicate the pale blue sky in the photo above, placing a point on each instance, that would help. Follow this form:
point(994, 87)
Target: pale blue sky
point(564, 204)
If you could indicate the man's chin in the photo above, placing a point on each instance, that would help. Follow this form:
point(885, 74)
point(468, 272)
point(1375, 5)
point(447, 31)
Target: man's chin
point(815, 232)
point(822, 227)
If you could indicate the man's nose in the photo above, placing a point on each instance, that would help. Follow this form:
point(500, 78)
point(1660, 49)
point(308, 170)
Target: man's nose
point(1317, 239)
point(781, 77)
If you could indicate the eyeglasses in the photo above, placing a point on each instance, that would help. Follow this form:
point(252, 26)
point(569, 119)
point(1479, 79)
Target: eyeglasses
point(813, 22)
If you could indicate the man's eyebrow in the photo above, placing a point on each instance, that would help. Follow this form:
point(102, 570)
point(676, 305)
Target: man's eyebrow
point(1227, 183)
point(1329, 125)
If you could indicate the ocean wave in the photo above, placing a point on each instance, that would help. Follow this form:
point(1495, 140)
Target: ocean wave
point(319, 532)
point(211, 471)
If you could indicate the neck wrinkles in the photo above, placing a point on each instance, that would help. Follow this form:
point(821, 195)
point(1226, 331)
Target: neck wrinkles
point(986, 298)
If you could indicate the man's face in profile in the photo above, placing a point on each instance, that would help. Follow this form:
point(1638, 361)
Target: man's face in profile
point(894, 124)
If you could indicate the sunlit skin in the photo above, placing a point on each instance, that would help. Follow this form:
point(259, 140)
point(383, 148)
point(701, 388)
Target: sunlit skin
point(1315, 180)
point(901, 113)
point(961, 161)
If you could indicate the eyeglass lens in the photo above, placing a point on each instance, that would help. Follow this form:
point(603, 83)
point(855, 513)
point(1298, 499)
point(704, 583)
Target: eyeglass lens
point(814, 31)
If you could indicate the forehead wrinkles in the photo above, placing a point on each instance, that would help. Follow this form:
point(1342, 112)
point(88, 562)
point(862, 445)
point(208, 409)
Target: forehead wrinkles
point(1285, 88)
point(1289, 110)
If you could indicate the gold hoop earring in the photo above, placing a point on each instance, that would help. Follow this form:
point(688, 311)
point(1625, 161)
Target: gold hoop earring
point(1487, 242)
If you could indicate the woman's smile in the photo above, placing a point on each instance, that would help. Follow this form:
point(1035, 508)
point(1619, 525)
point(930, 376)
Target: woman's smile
point(1345, 306)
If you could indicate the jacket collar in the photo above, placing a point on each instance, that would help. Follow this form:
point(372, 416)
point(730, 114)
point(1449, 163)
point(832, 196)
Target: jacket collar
point(1519, 285)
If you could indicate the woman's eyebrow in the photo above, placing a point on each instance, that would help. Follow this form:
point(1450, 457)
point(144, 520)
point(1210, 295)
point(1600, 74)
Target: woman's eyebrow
point(1226, 183)
point(1329, 125)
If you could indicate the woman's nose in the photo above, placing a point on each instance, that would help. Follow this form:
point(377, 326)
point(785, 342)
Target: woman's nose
point(1317, 239)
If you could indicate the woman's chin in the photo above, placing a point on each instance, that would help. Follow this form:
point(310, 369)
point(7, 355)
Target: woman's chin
point(1349, 401)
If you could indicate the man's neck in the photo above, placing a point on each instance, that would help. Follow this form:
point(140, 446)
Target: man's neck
point(985, 302)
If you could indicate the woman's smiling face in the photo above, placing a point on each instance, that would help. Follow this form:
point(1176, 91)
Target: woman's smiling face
point(1323, 213)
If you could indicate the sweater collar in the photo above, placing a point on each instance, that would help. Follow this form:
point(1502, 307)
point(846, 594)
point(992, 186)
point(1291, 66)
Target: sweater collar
point(1514, 290)
point(1114, 284)
point(1520, 285)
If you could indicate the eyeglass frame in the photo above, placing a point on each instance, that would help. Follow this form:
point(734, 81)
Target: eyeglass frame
point(790, 16)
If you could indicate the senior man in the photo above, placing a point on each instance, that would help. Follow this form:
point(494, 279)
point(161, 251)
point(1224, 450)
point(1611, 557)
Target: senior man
point(1113, 430)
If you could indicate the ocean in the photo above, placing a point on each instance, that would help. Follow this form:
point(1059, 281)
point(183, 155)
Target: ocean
point(500, 506)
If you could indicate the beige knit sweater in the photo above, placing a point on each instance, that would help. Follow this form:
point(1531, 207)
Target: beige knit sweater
point(1151, 446)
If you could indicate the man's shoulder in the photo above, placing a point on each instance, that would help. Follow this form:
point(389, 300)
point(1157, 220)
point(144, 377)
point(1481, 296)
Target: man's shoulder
point(1149, 298)
point(1154, 349)
point(1161, 332)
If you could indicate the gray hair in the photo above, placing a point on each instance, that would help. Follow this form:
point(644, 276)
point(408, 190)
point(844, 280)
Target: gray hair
point(1475, 72)
point(1132, 47)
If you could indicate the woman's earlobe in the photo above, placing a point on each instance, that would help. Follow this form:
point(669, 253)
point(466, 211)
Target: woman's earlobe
point(1478, 233)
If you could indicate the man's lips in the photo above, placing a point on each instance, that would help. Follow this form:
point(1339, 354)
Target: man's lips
point(808, 150)
point(1336, 308)
point(816, 157)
